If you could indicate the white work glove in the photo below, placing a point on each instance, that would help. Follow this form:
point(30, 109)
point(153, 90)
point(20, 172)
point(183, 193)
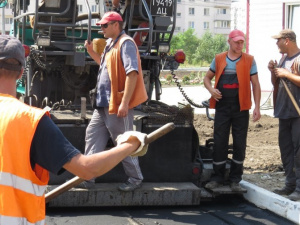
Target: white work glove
point(142, 150)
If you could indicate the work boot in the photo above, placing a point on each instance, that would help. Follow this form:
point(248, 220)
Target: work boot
point(284, 191)
point(213, 184)
point(127, 186)
point(295, 196)
point(235, 186)
point(86, 185)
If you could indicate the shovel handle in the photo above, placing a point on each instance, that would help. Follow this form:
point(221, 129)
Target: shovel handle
point(291, 96)
point(77, 180)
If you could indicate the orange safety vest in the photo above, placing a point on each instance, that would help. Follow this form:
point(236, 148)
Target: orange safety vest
point(117, 77)
point(22, 189)
point(243, 68)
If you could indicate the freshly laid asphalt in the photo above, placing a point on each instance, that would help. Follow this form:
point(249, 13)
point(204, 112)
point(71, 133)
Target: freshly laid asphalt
point(232, 210)
point(256, 195)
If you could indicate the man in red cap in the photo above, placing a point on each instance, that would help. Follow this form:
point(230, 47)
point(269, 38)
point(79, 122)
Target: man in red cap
point(120, 88)
point(234, 72)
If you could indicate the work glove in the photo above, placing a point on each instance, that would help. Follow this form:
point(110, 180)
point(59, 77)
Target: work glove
point(142, 150)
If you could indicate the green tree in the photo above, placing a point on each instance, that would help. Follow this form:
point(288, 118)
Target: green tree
point(187, 41)
point(209, 46)
point(186, 79)
point(198, 51)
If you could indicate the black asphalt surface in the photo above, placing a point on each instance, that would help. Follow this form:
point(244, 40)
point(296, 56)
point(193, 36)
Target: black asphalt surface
point(225, 210)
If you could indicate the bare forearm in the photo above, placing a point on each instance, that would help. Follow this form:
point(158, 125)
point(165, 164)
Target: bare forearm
point(293, 78)
point(130, 83)
point(90, 166)
point(257, 95)
point(95, 56)
point(256, 90)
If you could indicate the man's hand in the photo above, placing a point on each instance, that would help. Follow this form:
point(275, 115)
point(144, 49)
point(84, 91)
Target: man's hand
point(142, 149)
point(216, 94)
point(256, 115)
point(281, 72)
point(123, 110)
point(272, 65)
point(88, 46)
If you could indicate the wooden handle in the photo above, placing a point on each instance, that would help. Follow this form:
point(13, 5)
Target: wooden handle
point(291, 96)
point(77, 180)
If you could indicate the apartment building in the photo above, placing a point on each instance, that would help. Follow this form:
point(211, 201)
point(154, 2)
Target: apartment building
point(239, 15)
point(6, 18)
point(203, 15)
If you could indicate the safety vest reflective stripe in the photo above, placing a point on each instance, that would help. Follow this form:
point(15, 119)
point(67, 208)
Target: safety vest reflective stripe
point(21, 184)
point(18, 221)
point(219, 163)
point(237, 162)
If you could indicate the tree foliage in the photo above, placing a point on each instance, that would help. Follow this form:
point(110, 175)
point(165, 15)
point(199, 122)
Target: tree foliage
point(199, 50)
point(187, 41)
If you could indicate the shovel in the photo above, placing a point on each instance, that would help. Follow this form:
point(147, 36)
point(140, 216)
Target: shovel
point(77, 180)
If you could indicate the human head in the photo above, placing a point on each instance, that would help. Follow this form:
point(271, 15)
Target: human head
point(286, 33)
point(111, 24)
point(12, 53)
point(237, 35)
point(109, 17)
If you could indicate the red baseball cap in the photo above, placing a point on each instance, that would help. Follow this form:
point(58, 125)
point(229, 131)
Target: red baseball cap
point(109, 16)
point(237, 35)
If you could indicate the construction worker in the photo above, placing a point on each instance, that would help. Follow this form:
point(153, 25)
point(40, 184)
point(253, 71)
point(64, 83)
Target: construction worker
point(120, 88)
point(288, 70)
point(31, 145)
point(234, 73)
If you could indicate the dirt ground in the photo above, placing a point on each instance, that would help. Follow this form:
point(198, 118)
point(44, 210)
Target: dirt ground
point(262, 165)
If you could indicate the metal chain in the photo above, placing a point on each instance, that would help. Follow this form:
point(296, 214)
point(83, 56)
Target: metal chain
point(182, 91)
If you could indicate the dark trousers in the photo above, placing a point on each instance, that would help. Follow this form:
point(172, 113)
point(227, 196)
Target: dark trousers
point(289, 143)
point(228, 116)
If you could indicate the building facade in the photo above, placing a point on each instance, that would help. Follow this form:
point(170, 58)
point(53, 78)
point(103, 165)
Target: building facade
point(6, 18)
point(203, 15)
point(280, 14)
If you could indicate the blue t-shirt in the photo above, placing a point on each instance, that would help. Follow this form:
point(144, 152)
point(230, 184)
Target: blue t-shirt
point(130, 63)
point(228, 83)
point(49, 148)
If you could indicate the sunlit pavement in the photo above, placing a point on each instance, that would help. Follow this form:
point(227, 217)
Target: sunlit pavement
point(197, 94)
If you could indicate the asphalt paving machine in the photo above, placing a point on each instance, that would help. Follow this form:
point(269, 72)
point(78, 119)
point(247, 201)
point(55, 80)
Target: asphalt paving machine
point(59, 75)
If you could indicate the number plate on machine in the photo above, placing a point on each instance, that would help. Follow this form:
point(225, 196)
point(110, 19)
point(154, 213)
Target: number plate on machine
point(162, 7)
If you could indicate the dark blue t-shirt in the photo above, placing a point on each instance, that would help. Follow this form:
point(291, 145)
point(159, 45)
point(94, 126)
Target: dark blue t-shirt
point(49, 148)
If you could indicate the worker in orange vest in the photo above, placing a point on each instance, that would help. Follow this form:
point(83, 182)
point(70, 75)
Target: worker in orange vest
point(31, 145)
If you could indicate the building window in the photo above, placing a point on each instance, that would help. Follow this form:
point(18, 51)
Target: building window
point(206, 11)
point(222, 24)
point(191, 24)
point(8, 6)
point(205, 25)
point(293, 18)
point(191, 11)
point(80, 8)
point(206, 0)
point(8, 20)
point(221, 11)
point(178, 1)
point(94, 8)
point(191, 0)
point(178, 14)
point(177, 28)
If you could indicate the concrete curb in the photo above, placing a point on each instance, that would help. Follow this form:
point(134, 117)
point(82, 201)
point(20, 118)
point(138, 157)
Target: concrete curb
point(271, 201)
